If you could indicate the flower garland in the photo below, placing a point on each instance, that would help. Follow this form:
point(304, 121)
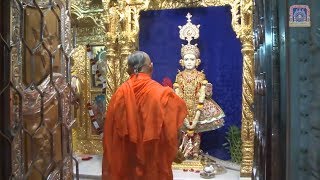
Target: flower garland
point(192, 124)
point(94, 68)
point(94, 120)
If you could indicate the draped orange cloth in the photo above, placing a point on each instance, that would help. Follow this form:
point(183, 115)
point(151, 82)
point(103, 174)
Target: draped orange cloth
point(140, 131)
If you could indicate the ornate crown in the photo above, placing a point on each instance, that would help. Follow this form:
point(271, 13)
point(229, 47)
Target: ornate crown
point(189, 32)
point(190, 49)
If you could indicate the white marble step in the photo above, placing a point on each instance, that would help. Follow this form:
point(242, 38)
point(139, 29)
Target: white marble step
point(91, 170)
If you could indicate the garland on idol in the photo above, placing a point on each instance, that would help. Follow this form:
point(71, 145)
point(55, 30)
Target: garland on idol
point(94, 120)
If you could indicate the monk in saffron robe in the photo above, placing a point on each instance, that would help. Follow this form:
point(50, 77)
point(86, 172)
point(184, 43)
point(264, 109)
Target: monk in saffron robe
point(141, 127)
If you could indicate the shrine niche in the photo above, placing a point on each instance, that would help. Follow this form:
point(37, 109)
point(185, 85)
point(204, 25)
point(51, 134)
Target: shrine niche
point(122, 27)
point(135, 24)
point(203, 58)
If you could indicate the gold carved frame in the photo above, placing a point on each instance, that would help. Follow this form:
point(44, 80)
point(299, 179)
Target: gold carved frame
point(119, 22)
point(122, 28)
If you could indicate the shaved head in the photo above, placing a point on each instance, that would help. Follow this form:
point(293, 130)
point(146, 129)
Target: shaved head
point(139, 61)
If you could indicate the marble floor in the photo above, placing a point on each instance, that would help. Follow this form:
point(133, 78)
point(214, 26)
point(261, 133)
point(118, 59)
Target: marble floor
point(91, 170)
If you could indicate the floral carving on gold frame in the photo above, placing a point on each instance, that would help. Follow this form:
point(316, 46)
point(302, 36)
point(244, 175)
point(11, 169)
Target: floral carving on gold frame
point(122, 28)
point(83, 140)
point(88, 25)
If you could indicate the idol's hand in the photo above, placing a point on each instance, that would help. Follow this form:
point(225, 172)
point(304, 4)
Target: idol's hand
point(190, 132)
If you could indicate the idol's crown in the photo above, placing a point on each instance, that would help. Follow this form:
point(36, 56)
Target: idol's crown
point(189, 32)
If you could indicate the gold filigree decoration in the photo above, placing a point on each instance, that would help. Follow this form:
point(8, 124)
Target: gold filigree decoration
point(188, 164)
point(90, 35)
point(122, 26)
point(83, 141)
point(88, 14)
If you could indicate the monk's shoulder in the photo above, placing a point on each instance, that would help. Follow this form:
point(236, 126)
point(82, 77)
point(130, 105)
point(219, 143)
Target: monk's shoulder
point(158, 88)
point(120, 91)
point(154, 85)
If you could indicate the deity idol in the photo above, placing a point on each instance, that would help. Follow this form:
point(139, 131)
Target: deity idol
point(191, 85)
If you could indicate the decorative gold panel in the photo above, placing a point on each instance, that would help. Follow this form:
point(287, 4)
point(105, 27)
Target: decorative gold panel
point(88, 26)
point(122, 28)
point(84, 142)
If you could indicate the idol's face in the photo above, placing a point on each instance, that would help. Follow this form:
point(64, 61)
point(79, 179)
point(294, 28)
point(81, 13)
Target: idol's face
point(189, 61)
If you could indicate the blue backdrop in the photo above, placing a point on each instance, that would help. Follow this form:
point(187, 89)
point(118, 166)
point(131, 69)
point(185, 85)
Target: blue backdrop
point(220, 53)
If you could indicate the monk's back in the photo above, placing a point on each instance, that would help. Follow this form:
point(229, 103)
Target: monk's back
point(140, 133)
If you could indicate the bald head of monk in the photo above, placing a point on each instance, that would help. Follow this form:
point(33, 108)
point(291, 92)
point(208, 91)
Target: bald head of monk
point(139, 61)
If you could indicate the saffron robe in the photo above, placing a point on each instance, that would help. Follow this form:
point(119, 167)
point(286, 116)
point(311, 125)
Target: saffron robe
point(141, 131)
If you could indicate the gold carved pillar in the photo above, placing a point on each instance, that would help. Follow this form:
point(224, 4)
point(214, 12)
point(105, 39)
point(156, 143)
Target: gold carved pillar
point(247, 130)
point(112, 26)
point(126, 44)
point(121, 40)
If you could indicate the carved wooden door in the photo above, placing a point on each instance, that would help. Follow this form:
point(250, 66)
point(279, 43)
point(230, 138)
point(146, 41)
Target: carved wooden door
point(35, 90)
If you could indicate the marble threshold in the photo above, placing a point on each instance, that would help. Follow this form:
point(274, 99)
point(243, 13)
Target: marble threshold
point(91, 170)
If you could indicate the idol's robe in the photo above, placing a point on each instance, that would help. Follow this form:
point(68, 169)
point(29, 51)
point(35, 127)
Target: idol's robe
point(140, 131)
